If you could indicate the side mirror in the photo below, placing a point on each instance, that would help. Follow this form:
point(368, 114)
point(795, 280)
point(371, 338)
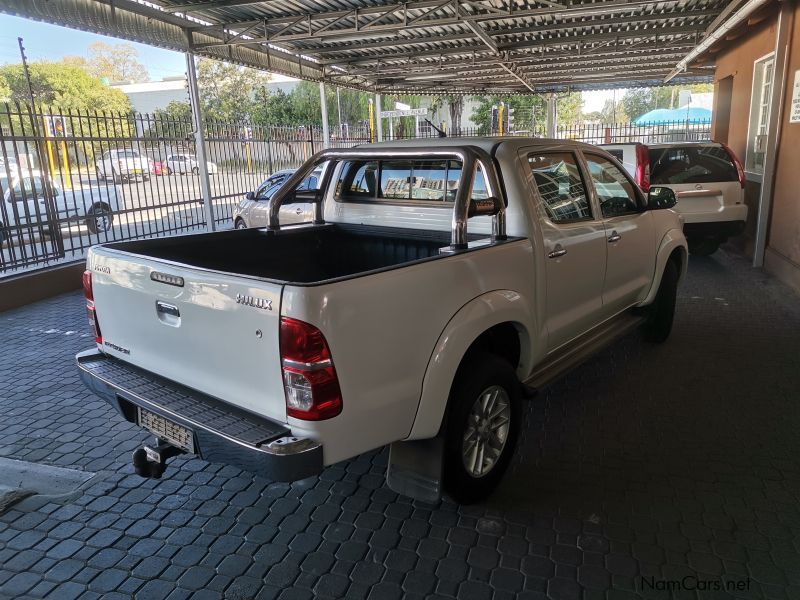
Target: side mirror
point(484, 206)
point(661, 197)
point(250, 196)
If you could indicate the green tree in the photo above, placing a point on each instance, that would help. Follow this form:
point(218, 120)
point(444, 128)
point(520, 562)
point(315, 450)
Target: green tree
point(529, 111)
point(114, 63)
point(228, 92)
point(64, 86)
point(68, 89)
point(613, 112)
point(638, 101)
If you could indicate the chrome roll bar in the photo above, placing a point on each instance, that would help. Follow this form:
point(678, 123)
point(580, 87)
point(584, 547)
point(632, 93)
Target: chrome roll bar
point(470, 157)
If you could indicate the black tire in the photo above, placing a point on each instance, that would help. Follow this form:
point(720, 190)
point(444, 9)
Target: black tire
point(169, 171)
point(703, 246)
point(195, 170)
point(100, 176)
point(4, 235)
point(240, 224)
point(146, 178)
point(99, 219)
point(115, 178)
point(479, 374)
point(661, 313)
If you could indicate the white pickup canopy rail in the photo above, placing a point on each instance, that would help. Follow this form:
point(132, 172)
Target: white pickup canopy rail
point(470, 157)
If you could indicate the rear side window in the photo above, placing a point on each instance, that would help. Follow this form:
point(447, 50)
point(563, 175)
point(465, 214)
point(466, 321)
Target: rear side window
point(691, 164)
point(560, 185)
point(618, 154)
point(402, 180)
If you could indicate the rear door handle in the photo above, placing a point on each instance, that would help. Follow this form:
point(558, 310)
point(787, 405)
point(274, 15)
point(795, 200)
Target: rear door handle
point(559, 250)
point(614, 237)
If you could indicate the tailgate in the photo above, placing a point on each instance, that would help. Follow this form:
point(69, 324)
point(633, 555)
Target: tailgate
point(708, 198)
point(197, 334)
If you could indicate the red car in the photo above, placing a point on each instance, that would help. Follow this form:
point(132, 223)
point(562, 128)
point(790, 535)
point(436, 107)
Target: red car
point(157, 167)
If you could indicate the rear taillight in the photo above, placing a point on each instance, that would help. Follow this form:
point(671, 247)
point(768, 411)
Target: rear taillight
point(643, 167)
point(309, 377)
point(735, 160)
point(88, 291)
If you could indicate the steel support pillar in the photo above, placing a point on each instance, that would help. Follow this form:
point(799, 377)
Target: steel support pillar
point(551, 116)
point(326, 131)
point(378, 120)
point(773, 132)
point(199, 141)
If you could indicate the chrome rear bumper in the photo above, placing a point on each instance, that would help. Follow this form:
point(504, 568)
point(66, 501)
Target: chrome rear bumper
point(221, 433)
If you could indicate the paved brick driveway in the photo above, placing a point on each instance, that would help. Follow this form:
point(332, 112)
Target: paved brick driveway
point(646, 465)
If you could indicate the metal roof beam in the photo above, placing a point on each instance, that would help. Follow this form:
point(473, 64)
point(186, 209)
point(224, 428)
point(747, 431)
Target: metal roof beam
point(477, 29)
point(661, 33)
point(525, 60)
point(449, 12)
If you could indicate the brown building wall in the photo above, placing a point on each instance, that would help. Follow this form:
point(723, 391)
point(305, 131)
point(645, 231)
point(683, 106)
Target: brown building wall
point(733, 87)
point(783, 245)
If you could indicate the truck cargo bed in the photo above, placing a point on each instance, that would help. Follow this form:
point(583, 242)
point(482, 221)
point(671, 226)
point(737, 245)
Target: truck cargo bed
point(304, 254)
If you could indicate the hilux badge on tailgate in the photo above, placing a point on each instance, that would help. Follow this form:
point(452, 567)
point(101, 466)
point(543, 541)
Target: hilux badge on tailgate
point(261, 303)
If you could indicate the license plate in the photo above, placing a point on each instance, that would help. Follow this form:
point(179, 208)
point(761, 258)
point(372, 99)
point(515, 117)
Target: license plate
point(175, 434)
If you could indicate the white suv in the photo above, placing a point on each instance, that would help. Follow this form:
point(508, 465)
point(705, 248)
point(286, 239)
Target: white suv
point(708, 181)
point(123, 165)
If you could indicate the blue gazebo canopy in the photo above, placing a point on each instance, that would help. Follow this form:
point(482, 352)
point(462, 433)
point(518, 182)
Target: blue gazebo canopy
point(683, 114)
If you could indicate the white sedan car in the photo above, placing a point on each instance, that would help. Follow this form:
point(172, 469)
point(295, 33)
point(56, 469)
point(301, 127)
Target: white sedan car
point(186, 163)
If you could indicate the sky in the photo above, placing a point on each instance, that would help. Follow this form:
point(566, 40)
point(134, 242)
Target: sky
point(51, 42)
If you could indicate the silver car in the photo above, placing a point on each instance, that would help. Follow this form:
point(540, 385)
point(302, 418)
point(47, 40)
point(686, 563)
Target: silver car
point(253, 211)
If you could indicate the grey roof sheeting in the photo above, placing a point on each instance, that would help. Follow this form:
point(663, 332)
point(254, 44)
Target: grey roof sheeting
point(420, 46)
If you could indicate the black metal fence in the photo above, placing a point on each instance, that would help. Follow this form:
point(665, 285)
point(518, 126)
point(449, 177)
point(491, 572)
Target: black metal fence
point(71, 179)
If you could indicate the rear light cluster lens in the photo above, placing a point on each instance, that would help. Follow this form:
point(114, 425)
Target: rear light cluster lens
point(309, 377)
point(88, 292)
point(737, 163)
point(643, 167)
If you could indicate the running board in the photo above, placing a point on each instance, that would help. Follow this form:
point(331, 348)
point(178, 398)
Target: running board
point(583, 348)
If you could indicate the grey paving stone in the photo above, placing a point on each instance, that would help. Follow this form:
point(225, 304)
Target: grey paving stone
point(636, 463)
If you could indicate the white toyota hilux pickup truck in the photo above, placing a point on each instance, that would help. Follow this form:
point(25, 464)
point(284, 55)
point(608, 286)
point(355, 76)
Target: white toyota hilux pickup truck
point(440, 283)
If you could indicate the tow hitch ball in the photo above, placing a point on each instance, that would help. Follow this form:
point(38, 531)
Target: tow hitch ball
point(152, 462)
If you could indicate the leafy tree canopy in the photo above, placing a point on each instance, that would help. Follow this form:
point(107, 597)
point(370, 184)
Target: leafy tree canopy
point(529, 111)
point(112, 62)
point(639, 101)
point(61, 85)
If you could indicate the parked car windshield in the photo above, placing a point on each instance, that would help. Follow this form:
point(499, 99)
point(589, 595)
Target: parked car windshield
point(691, 164)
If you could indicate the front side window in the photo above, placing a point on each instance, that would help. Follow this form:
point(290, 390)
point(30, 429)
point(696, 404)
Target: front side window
point(560, 185)
point(760, 100)
point(614, 190)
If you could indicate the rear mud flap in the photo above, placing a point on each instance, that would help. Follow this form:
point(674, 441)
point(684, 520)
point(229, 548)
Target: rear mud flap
point(415, 469)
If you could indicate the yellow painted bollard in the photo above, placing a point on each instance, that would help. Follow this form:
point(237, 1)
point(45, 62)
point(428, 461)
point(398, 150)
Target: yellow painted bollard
point(65, 166)
point(51, 160)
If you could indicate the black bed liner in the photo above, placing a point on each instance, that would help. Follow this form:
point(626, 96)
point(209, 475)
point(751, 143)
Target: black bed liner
point(301, 254)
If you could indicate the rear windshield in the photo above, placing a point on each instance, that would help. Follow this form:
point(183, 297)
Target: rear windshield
point(691, 164)
point(404, 180)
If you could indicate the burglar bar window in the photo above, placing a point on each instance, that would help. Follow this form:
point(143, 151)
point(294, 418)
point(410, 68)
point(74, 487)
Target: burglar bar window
point(759, 114)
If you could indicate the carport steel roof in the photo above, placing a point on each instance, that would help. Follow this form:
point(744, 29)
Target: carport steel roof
point(419, 46)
